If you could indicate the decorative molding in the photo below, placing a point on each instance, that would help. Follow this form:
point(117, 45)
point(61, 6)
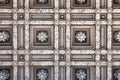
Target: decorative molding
point(62, 4)
point(42, 57)
point(83, 17)
point(43, 17)
point(115, 17)
point(103, 4)
point(62, 73)
point(103, 57)
point(21, 4)
point(6, 57)
point(62, 37)
point(20, 16)
point(6, 16)
point(21, 57)
point(21, 73)
point(103, 73)
point(35, 43)
point(62, 57)
point(21, 36)
point(87, 42)
point(103, 16)
point(62, 17)
point(115, 57)
point(103, 37)
point(82, 57)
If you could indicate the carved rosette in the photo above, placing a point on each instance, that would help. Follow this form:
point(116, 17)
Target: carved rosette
point(117, 36)
point(80, 74)
point(42, 36)
point(4, 36)
point(4, 75)
point(80, 36)
point(42, 74)
point(117, 74)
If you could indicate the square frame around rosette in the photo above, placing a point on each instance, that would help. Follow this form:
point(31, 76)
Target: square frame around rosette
point(6, 72)
point(82, 37)
point(44, 70)
point(6, 39)
point(43, 4)
point(82, 73)
point(116, 37)
point(41, 37)
point(115, 72)
point(116, 3)
point(82, 4)
point(6, 4)
point(41, 72)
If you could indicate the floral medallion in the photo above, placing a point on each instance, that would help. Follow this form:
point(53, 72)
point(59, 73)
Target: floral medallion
point(80, 36)
point(116, 36)
point(4, 36)
point(80, 74)
point(42, 74)
point(42, 36)
point(117, 74)
point(4, 75)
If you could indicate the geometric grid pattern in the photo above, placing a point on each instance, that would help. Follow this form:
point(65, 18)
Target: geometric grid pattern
point(103, 60)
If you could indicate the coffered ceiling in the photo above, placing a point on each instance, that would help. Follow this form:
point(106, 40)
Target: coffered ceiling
point(59, 39)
